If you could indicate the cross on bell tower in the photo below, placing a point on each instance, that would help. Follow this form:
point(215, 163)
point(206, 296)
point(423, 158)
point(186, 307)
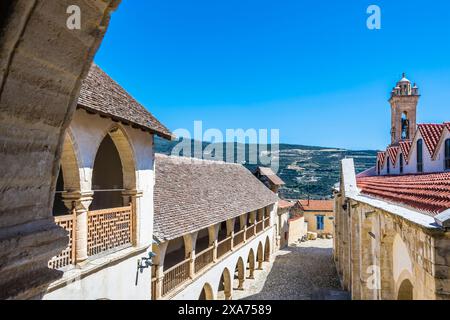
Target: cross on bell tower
point(403, 100)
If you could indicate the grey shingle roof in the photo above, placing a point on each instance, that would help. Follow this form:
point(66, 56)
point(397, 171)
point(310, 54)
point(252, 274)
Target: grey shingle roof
point(101, 94)
point(192, 194)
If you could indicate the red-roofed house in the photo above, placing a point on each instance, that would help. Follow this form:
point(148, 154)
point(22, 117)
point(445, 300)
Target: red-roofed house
point(318, 215)
point(392, 224)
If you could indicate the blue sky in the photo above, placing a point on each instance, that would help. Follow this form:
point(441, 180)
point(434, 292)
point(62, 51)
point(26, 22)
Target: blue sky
point(309, 68)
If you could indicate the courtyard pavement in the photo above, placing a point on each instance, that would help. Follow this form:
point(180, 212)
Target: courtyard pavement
point(304, 271)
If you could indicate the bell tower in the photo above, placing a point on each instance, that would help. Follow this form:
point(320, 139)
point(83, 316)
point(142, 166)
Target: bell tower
point(404, 99)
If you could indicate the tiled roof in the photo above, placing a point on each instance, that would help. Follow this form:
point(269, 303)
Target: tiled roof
point(316, 205)
point(405, 146)
point(428, 193)
point(393, 152)
point(381, 156)
point(101, 94)
point(431, 133)
point(283, 204)
point(273, 178)
point(192, 194)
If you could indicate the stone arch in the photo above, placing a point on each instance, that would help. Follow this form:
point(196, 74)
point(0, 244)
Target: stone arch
point(267, 250)
point(401, 258)
point(251, 264)
point(206, 293)
point(239, 274)
point(405, 290)
point(68, 176)
point(108, 185)
point(260, 255)
point(225, 288)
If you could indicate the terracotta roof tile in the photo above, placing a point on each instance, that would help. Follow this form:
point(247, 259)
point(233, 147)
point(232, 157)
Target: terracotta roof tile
point(393, 152)
point(381, 156)
point(405, 147)
point(431, 133)
point(192, 194)
point(428, 193)
point(316, 205)
point(283, 204)
point(101, 94)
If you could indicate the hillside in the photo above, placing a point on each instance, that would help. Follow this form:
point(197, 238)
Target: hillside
point(306, 170)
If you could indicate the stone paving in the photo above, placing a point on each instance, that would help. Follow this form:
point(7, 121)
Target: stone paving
point(304, 271)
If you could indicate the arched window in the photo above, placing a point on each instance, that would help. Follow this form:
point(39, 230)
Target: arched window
point(420, 155)
point(388, 165)
point(447, 154)
point(401, 162)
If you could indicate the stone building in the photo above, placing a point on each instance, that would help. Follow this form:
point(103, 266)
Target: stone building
point(104, 195)
point(215, 224)
point(391, 222)
point(318, 215)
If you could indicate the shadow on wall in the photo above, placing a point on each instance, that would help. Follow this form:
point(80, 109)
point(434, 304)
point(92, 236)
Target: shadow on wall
point(300, 273)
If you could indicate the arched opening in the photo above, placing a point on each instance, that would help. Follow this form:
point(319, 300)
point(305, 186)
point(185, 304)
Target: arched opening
point(202, 242)
point(206, 293)
point(267, 250)
point(113, 171)
point(259, 255)
point(224, 292)
point(405, 291)
point(405, 126)
point(237, 225)
point(222, 231)
point(239, 275)
point(251, 264)
point(107, 177)
point(175, 253)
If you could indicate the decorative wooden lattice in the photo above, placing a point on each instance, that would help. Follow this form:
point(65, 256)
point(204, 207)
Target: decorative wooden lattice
point(223, 247)
point(266, 223)
point(250, 232)
point(238, 238)
point(203, 259)
point(175, 276)
point(259, 226)
point(109, 229)
point(66, 257)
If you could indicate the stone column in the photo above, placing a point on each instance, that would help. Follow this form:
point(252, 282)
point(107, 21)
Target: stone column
point(230, 231)
point(131, 197)
point(253, 221)
point(213, 233)
point(243, 222)
point(189, 245)
point(158, 261)
point(80, 201)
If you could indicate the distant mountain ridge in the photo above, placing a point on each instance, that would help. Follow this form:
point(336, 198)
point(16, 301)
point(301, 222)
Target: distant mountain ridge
point(308, 171)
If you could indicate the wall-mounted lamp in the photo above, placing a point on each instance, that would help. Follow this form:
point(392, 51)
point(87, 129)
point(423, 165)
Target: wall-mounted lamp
point(145, 262)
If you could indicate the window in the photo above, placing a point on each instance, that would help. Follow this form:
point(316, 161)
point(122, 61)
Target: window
point(405, 126)
point(320, 222)
point(420, 155)
point(447, 154)
point(388, 165)
point(401, 162)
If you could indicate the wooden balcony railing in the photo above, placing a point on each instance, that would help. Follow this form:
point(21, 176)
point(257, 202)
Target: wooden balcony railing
point(109, 229)
point(203, 259)
point(250, 231)
point(238, 238)
point(259, 226)
point(67, 256)
point(175, 276)
point(266, 223)
point(224, 246)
